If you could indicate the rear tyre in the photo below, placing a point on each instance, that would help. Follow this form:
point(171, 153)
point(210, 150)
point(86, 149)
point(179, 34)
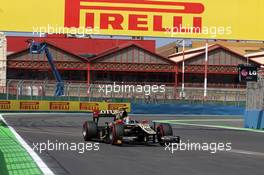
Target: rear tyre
point(162, 131)
point(89, 130)
point(116, 135)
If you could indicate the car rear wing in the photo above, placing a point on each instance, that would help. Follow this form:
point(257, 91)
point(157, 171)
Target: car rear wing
point(105, 114)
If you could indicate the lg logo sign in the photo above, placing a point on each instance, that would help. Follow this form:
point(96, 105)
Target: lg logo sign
point(248, 73)
point(252, 73)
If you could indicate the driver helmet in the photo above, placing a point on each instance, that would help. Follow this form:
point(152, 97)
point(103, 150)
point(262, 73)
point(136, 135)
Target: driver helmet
point(127, 120)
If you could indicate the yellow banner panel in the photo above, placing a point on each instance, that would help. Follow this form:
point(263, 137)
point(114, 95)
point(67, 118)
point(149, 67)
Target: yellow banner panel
point(59, 106)
point(212, 19)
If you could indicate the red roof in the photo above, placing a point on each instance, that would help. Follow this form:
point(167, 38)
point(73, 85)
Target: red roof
point(52, 45)
point(76, 45)
point(125, 46)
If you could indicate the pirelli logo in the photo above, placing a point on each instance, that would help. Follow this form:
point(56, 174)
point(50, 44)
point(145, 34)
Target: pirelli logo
point(60, 106)
point(113, 106)
point(89, 106)
point(5, 105)
point(29, 106)
point(119, 15)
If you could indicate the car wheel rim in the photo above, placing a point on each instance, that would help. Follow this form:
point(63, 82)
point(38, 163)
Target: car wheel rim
point(111, 136)
point(84, 133)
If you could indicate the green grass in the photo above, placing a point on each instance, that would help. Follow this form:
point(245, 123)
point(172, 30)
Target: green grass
point(14, 159)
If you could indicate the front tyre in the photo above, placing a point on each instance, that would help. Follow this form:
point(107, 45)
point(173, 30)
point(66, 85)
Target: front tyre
point(116, 135)
point(163, 130)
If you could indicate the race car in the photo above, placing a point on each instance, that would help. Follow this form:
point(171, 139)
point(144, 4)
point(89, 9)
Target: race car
point(125, 130)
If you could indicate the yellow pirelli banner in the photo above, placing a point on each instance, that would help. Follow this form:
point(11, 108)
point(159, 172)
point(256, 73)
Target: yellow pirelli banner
point(59, 106)
point(213, 19)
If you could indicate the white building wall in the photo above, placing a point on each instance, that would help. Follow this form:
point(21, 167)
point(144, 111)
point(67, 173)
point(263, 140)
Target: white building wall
point(3, 57)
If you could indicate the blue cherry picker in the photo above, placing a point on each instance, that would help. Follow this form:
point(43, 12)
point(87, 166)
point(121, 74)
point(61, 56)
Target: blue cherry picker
point(40, 48)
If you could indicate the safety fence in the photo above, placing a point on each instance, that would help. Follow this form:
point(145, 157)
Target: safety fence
point(81, 91)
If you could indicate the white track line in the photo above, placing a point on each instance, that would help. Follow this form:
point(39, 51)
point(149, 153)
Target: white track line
point(43, 167)
point(185, 123)
point(247, 152)
point(210, 120)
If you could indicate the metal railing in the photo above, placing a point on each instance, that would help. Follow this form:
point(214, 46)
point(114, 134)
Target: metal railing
point(81, 91)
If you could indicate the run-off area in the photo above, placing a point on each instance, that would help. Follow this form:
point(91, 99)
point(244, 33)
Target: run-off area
point(245, 157)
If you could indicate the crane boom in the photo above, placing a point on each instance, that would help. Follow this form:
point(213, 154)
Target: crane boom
point(39, 48)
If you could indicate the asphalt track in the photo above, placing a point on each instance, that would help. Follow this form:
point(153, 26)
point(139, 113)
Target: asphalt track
point(246, 156)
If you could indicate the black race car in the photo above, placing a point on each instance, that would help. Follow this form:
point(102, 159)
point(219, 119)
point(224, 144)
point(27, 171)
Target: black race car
point(120, 130)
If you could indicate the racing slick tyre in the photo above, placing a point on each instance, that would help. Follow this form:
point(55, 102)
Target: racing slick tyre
point(89, 130)
point(116, 135)
point(162, 131)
